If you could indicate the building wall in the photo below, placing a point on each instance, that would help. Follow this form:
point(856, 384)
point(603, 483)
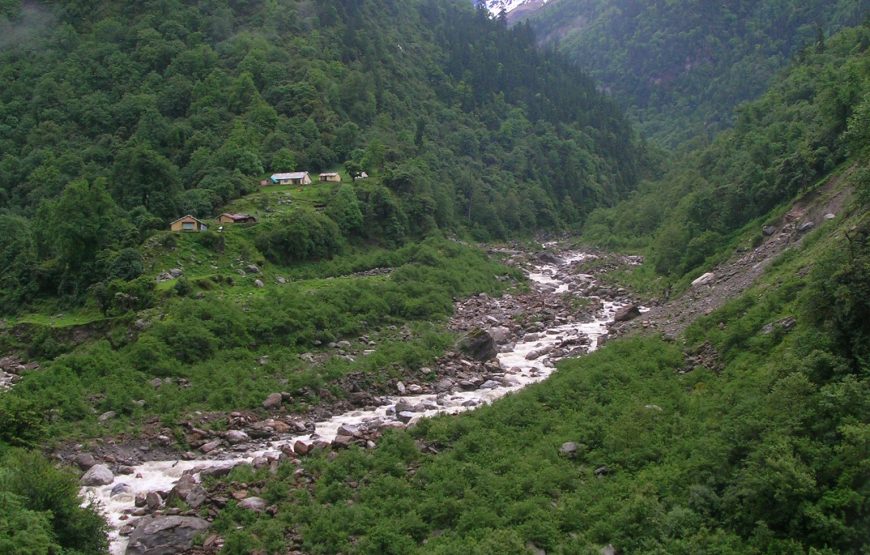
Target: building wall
point(179, 226)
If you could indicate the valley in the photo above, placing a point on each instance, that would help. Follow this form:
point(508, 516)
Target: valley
point(434, 277)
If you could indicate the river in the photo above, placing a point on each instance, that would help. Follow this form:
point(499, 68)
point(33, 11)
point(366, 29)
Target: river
point(519, 372)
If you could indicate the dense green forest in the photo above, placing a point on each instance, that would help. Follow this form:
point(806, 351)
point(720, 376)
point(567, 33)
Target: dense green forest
point(117, 117)
point(813, 119)
point(681, 67)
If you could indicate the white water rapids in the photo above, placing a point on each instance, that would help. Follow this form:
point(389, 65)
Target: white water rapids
point(518, 373)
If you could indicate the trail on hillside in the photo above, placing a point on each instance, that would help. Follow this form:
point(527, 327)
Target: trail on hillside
point(731, 278)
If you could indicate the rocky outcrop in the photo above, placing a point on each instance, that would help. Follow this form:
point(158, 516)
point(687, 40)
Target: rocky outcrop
point(164, 535)
point(705, 279)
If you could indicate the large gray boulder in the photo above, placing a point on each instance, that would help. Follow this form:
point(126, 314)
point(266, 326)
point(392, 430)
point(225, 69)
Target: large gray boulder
point(85, 461)
point(189, 491)
point(500, 334)
point(164, 535)
point(98, 475)
point(478, 344)
point(626, 313)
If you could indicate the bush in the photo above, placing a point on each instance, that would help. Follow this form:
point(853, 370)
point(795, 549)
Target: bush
point(183, 287)
point(20, 422)
point(211, 240)
point(120, 297)
point(37, 493)
point(126, 265)
point(302, 235)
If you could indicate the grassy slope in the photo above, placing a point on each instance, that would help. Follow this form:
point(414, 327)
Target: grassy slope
point(209, 340)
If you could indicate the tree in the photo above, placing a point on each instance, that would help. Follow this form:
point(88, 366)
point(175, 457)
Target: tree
point(17, 263)
point(304, 234)
point(76, 227)
point(345, 210)
point(143, 177)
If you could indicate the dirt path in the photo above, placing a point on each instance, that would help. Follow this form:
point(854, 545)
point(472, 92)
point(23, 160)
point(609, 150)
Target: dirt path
point(733, 277)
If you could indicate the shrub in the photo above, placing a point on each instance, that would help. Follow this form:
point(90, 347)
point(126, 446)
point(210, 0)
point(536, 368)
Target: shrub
point(211, 240)
point(43, 489)
point(304, 234)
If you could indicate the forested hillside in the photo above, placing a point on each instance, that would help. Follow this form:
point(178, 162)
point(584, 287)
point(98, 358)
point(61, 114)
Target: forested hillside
point(812, 120)
point(682, 67)
point(118, 117)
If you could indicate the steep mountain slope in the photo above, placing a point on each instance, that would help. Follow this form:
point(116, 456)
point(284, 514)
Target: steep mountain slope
point(180, 108)
point(683, 66)
point(813, 120)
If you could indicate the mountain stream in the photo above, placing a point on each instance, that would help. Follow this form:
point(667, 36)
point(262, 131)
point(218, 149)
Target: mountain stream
point(521, 368)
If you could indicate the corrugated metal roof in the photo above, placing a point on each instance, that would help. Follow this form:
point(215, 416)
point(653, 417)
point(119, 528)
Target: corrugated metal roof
point(291, 175)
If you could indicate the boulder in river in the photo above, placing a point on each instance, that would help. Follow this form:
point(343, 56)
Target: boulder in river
point(85, 461)
point(478, 344)
point(237, 436)
point(98, 475)
point(121, 489)
point(500, 334)
point(153, 500)
point(189, 491)
point(548, 258)
point(164, 535)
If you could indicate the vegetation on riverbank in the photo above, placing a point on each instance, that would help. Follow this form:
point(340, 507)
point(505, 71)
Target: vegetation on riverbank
point(207, 338)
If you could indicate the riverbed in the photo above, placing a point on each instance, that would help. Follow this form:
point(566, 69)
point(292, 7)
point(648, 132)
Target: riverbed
point(525, 362)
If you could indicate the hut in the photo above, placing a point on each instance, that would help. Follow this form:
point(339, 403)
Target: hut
point(330, 178)
point(227, 218)
point(292, 178)
point(188, 223)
